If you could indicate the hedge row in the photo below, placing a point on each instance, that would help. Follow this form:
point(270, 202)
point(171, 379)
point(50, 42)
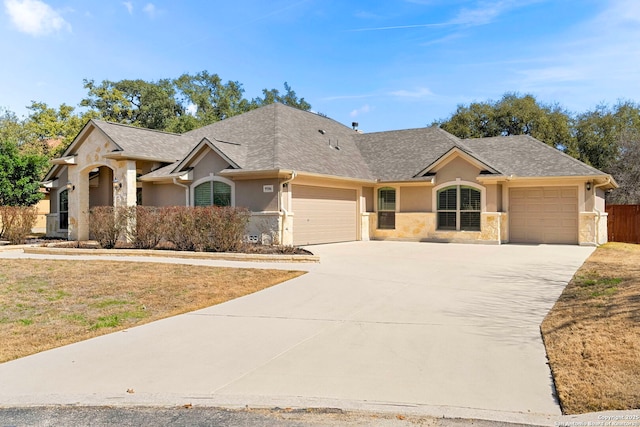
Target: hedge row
point(16, 223)
point(211, 228)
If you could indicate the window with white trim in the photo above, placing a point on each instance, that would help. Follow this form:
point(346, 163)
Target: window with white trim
point(63, 210)
point(387, 208)
point(459, 208)
point(212, 193)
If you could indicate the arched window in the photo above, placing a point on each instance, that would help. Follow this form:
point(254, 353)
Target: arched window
point(459, 208)
point(210, 193)
point(387, 208)
point(63, 210)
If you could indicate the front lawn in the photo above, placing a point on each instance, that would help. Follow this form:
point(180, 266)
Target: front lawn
point(592, 334)
point(46, 303)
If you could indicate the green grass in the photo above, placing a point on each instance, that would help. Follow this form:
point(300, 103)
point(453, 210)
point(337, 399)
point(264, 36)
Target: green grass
point(116, 320)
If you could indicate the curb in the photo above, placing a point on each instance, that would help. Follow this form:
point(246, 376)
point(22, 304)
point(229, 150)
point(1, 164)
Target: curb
point(221, 256)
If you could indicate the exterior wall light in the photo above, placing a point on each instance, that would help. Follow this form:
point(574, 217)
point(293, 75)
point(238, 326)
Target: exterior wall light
point(588, 186)
point(70, 186)
point(117, 184)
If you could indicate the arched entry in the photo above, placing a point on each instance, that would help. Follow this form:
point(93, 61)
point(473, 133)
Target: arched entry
point(100, 187)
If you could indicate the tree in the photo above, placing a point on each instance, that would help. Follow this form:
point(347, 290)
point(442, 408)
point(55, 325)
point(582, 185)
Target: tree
point(45, 125)
point(152, 105)
point(513, 115)
point(626, 170)
point(289, 98)
point(211, 99)
point(19, 176)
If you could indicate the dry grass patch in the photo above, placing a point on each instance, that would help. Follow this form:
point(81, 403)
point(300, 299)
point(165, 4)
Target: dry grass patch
point(46, 304)
point(592, 334)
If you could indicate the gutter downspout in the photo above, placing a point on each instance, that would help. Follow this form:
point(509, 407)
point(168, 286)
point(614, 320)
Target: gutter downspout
point(597, 211)
point(282, 209)
point(186, 189)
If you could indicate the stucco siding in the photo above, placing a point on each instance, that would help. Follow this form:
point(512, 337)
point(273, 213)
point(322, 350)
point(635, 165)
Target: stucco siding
point(101, 188)
point(209, 163)
point(494, 197)
point(163, 195)
point(251, 195)
point(368, 193)
point(456, 168)
point(415, 199)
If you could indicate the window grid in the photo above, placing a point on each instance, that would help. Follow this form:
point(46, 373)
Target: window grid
point(387, 208)
point(459, 208)
point(214, 193)
point(63, 210)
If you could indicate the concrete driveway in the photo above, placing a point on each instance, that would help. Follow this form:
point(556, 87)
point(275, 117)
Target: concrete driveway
point(419, 327)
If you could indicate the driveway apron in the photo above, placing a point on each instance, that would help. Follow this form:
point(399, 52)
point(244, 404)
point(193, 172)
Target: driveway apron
point(374, 323)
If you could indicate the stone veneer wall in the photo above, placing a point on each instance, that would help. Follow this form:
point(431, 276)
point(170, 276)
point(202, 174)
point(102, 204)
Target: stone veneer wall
point(421, 226)
point(590, 227)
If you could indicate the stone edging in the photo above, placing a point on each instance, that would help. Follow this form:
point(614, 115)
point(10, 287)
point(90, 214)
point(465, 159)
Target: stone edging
point(223, 256)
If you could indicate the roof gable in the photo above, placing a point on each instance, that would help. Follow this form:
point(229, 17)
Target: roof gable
point(196, 154)
point(455, 153)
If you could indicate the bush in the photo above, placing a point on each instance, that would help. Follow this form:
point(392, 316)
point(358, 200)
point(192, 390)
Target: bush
point(211, 228)
point(107, 224)
point(16, 222)
point(146, 226)
point(225, 228)
point(180, 227)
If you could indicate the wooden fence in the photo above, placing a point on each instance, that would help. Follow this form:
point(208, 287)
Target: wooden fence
point(623, 223)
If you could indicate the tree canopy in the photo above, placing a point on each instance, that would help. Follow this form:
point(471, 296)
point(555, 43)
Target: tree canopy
point(608, 138)
point(180, 104)
point(19, 176)
point(513, 115)
point(173, 105)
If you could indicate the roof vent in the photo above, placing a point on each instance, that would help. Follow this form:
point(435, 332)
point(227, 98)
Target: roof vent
point(322, 131)
point(354, 125)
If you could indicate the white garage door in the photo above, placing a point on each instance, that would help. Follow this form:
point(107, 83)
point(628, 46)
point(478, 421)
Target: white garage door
point(323, 215)
point(543, 215)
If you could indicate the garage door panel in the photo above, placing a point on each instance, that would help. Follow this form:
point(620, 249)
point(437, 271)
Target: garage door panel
point(544, 215)
point(323, 215)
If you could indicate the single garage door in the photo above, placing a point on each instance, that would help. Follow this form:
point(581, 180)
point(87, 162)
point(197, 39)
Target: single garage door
point(543, 215)
point(323, 215)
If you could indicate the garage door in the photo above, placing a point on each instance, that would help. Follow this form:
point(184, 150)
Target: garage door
point(323, 215)
point(543, 215)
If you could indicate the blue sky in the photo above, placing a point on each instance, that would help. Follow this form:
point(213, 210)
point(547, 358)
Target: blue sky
point(387, 64)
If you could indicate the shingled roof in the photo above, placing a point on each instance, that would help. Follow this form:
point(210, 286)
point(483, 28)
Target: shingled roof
point(143, 143)
point(525, 156)
point(281, 137)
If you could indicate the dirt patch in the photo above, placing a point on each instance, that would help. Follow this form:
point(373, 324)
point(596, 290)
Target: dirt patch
point(50, 303)
point(592, 334)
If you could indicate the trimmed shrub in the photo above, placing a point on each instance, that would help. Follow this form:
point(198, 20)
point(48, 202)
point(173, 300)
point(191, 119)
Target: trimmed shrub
point(107, 224)
point(16, 222)
point(180, 227)
point(224, 228)
point(210, 228)
point(146, 226)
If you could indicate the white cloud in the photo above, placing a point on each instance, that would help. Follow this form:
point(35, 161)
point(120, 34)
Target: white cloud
point(420, 92)
point(35, 17)
point(359, 111)
point(129, 6)
point(150, 9)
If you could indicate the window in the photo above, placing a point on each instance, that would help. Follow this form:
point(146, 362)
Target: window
point(387, 208)
point(63, 210)
point(212, 193)
point(459, 208)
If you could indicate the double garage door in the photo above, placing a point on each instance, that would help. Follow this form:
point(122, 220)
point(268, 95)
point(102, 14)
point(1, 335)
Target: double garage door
point(543, 215)
point(323, 215)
